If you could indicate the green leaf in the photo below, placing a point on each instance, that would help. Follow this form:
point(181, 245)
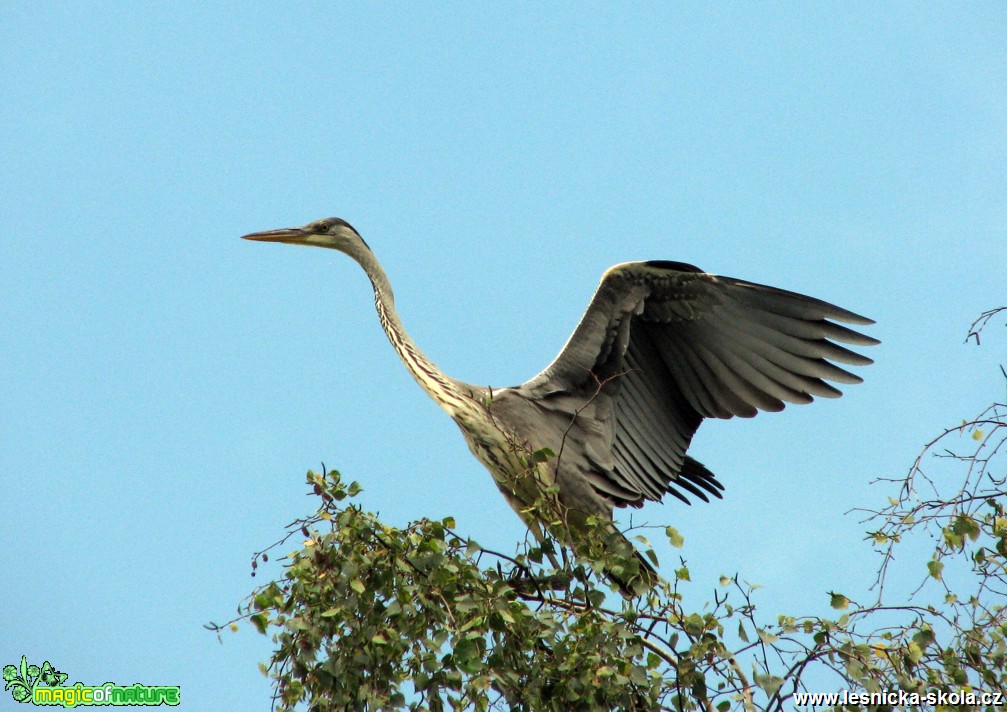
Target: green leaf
point(260, 601)
point(358, 585)
point(694, 625)
point(260, 621)
point(839, 601)
point(674, 538)
point(542, 455)
point(741, 632)
point(968, 526)
point(643, 540)
point(605, 671)
point(726, 580)
point(935, 568)
point(924, 637)
point(769, 683)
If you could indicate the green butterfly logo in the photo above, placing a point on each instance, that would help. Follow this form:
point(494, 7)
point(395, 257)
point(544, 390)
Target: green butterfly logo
point(51, 676)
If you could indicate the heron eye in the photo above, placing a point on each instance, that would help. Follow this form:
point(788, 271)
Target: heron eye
point(324, 227)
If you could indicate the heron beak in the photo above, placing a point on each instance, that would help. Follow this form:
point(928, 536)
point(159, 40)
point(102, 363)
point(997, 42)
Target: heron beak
point(289, 235)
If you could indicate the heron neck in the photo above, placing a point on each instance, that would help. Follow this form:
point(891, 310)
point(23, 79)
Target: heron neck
point(445, 390)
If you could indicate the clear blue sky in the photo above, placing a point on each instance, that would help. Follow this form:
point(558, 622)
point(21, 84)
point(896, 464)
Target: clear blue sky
point(165, 385)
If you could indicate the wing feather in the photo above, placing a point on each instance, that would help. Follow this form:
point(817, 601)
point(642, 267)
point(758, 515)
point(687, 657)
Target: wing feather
point(670, 345)
point(660, 424)
point(780, 301)
point(736, 379)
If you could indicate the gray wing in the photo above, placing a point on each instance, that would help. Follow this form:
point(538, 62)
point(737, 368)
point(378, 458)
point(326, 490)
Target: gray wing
point(668, 345)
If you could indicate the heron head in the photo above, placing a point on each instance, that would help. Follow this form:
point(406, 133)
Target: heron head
point(334, 233)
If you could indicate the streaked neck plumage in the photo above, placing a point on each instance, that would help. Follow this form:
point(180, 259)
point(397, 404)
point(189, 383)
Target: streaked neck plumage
point(452, 395)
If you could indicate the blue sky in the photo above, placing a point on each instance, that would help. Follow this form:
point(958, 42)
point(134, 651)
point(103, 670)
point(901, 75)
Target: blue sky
point(166, 385)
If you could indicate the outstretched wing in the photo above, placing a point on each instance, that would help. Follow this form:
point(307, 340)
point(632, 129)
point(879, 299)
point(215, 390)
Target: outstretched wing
point(670, 345)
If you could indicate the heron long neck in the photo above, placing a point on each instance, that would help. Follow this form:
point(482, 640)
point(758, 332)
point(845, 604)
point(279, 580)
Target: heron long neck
point(448, 392)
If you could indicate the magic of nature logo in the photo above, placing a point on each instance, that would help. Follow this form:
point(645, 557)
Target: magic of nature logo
point(44, 685)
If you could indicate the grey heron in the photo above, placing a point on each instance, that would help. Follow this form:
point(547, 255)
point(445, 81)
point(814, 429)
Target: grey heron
point(661, 346)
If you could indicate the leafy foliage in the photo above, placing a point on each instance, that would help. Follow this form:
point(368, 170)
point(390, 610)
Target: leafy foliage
point(372, 616)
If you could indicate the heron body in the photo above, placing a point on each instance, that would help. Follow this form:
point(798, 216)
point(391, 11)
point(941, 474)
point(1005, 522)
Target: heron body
point(661, 346)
